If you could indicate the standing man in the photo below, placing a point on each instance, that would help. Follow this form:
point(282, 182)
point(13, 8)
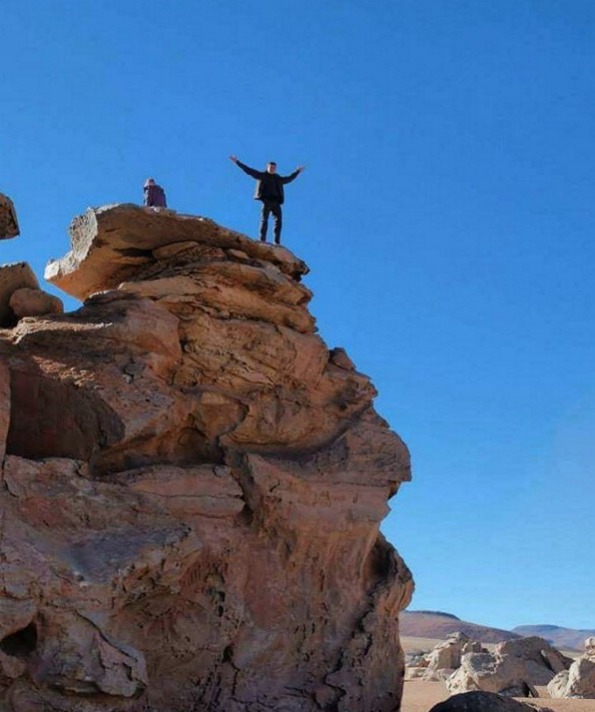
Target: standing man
point(269, 190)
point(154, 194)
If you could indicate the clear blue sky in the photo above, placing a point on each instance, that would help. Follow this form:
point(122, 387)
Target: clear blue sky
point(447, 215)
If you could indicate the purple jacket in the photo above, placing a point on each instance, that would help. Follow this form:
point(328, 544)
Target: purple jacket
point(155, 196)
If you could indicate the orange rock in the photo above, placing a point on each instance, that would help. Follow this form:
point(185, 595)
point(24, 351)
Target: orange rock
point(193, 487)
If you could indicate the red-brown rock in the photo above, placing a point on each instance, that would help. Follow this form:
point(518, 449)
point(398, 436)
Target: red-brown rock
point(193, 488)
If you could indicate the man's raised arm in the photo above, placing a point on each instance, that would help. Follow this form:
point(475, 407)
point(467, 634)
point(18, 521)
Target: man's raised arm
point(250, 171)
point(292, 176)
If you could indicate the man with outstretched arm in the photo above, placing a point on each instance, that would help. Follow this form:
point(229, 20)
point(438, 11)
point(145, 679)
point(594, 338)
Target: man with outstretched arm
point(269, 190)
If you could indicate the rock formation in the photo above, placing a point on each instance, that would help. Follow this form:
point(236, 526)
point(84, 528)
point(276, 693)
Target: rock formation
point(9, 225)
point(192, 487)
point(21, 296)
point(579, 679)
point(513, 668)
point(441, 662)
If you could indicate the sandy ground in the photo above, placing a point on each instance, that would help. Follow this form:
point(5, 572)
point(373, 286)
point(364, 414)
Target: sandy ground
point(419, 696)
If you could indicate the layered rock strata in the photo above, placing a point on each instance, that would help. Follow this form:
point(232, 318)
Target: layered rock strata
point(192, 487)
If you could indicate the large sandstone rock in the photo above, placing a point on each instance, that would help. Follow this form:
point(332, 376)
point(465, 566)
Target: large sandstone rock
point(513, 668)
point(193, 488)
point(9, 226)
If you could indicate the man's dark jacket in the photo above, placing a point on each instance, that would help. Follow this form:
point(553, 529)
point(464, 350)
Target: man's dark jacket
point(269, 186)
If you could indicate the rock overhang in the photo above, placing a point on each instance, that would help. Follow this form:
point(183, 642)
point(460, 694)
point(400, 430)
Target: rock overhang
point(110, 243)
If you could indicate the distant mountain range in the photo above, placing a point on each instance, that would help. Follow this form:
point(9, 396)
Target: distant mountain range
point(568, 638)
point(437, 624)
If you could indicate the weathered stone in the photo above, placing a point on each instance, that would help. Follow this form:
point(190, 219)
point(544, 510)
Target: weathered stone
point(485, 702)
point(9, 226)
point(12, 277)
point(193, 488)
point(558, 685)
point(95, 263)
point(577, 681)
point(34, 302)
point(514, 668)
point(443, 660)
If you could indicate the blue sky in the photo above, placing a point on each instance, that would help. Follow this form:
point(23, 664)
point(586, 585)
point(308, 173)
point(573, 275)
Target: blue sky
point(446, 213)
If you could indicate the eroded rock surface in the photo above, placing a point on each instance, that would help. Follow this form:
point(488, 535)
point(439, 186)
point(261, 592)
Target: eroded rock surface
point(579, 679)
point(514, 668)
point(442, 661)
point(193, 487)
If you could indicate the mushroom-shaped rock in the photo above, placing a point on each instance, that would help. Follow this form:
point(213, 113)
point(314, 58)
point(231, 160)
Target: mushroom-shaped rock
point(9, 226)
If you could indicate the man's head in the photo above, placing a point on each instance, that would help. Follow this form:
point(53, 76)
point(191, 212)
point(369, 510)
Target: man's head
point(150, 181)
point(271, 167)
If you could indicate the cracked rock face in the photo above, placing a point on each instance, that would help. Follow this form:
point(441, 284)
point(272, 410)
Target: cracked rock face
point(192, 487)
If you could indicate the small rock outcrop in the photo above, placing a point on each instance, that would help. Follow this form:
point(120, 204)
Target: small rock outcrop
point(9, 225)
point(34, 302)
point(192, 487)
point(443, 660)
point(513, 668)
point(14, 277)
point(579, 679)
point(21, 296)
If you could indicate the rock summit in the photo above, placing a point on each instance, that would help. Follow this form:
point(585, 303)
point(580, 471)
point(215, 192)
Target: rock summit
point(192, 486)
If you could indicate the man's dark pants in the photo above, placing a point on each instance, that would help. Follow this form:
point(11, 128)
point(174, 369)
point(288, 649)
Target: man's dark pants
point(268, 207)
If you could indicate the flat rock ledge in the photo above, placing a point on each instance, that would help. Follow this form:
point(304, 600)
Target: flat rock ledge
point(110, 242)
point(191, 486)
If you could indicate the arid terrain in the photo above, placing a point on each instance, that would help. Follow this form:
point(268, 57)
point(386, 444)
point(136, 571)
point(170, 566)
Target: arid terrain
point(421, 696)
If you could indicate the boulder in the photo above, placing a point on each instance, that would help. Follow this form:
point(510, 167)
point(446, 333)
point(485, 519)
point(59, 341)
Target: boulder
point(558, 685)
point(34, 302)
point(577, 681)
point(442, 661)
point(485, 702)
point(447, 655)
point(513, 668)
point(9, 226)
point(12, 277)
